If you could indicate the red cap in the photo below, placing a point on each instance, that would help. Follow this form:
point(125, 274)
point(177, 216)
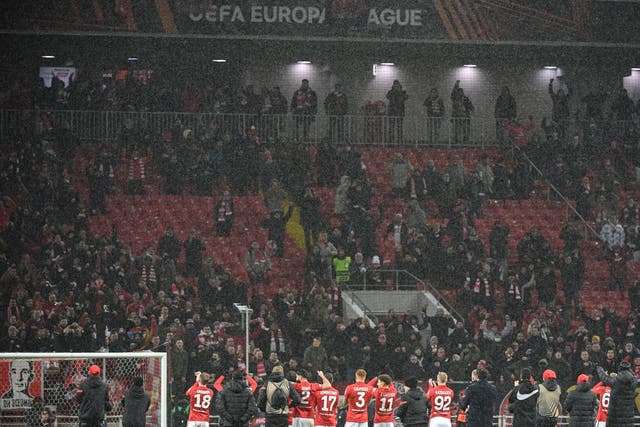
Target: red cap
point(548, 374)
point(582, 378)
point(94, 370)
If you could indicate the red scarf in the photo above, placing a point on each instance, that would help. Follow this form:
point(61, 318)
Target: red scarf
point(487, 288)
point(261, 371)
point(335, 298)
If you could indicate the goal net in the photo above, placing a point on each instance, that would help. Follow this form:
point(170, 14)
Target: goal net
point(30, 382)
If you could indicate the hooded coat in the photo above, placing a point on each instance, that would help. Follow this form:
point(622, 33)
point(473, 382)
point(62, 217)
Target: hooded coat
point(581, 404)
point(522, 403)
point(236, 404)
point(623, 393)
point(136, 404)
point(93, 396)
point(413, 409)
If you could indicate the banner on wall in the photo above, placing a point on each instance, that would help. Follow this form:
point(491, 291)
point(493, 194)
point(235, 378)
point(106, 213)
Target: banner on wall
point(500, 20)
point(20, 383)
point(66, 74)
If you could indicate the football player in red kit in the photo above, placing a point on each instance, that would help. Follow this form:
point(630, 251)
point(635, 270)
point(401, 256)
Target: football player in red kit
point(326, 405)
point(440, 397)
point(304, 413)
point(385, 397)
point(604, 397)
point(200, 400)
point(358, 396)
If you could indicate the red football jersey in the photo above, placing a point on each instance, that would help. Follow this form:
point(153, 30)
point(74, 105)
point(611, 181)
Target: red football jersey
point(326, 406)
point(385, 400)
point(440, 398)
point(306, 408)
point(358, 396)
point(604, 395)
point(200, 400)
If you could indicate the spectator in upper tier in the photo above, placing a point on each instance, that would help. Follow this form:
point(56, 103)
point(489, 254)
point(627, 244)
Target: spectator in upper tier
point(336, 107)
point(505, 111)
point(397, 97)
point(435, 113)
point(461, 109)
point(561, 111)
point(304, 106)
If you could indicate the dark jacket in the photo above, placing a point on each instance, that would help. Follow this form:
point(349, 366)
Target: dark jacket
point(235, 404)
point(276, 380)
point(581, 404)
point(623, 393)
point(480, 397)
point(136, 404)
point(522, 403)
point(413, 410)
point(93, 397)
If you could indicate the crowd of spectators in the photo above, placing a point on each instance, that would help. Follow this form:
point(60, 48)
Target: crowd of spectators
point(63, 289)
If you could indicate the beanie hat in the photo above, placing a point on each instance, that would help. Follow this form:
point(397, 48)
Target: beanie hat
point(548, 374)
point(411, 382)
point(94, 370)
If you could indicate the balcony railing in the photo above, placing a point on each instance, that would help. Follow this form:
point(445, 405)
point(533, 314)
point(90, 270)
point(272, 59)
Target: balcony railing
point(377, 130)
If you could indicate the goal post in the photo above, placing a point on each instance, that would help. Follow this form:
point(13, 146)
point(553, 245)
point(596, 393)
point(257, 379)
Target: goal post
point(53, 377)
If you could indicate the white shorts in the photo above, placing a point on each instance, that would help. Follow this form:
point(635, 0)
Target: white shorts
point(382, 424)
point(601, 424)
point(197, 424)
point(439, 422)
point(303, 422)
point(352, 424)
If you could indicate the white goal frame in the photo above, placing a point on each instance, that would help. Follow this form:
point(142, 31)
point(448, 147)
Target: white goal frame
point(133, 355)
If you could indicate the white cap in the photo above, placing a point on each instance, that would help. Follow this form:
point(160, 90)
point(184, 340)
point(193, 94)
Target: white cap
point(375, 259)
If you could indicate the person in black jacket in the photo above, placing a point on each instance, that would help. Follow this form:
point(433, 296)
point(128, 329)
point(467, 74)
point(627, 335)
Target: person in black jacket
point(93, 397)
point(413, 410)
point(479, 397)
point(522, 401)
point(235, 403)
point(276, 223)
point(581, 404)
point(136, 403)
point(623, 393)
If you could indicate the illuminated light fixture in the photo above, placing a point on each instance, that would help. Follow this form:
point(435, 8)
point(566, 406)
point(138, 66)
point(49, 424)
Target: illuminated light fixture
point(550, 67)
point(219, 60)
point(390, 64)
point(48, 56)
point(470, 65)
point(304, 62)
point(132, 58)
point(635, 69)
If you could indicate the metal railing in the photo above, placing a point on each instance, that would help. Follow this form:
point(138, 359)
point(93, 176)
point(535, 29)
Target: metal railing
point(570, 209)
point(380, 130)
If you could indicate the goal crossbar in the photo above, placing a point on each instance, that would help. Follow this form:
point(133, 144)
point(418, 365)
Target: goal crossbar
point(133, 355)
